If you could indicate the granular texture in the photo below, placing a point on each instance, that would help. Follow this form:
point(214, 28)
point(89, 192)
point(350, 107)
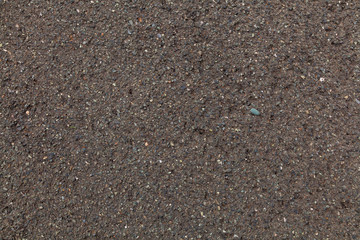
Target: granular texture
point(132, 119)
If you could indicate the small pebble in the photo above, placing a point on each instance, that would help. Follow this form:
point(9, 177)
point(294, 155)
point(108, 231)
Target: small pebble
point(255, 112)
point(356, 100)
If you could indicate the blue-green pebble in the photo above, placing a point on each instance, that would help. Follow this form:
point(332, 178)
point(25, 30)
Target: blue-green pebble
point(255, 112)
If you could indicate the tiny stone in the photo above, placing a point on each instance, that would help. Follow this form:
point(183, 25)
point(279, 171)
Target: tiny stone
point(255, 112)
point(50, 156)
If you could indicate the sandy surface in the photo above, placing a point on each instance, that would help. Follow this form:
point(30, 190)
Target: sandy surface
point(131, 119)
